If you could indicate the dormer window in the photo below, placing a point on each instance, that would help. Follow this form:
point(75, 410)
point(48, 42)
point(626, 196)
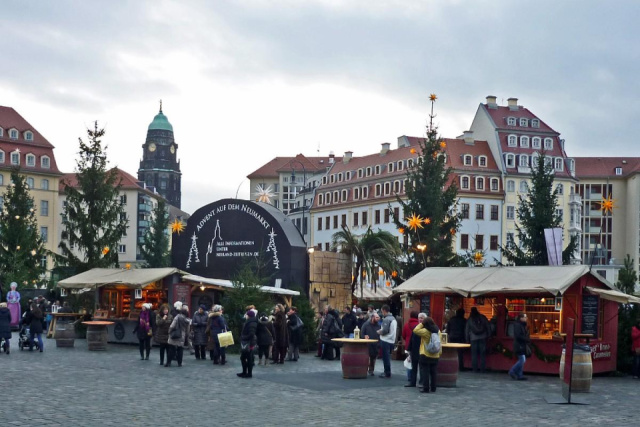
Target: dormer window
point(347, 176)
point(512, 141)
point(479, 183)
point(324, 179)
point(618, 171)
point(410, 163)
point(1, 132)
point(345, 195)
point(15, 158)
point(510, 160)
point(482, 161)
point(369, 171)
point(327, 198)
point(464, 182)
point(360, 173)
point(332, 178)
point(535, 158)
point(13, 133)
point(511, 121)
point(365, 192)
point(468, 160)
point(524, 122)
point(387, 188)
point(524, 161)
point(31, 160)
point(524, 141)
point(390, 167)
point(400, 165)
point(28, 135)
point(378, 190)
point(535, 123)
point(495, 184)
point(1, 156)
point(396, 187)
point(340, 177)
point(377, 169)
point(320, 199)
point(536, 142)
point(356, 193)
point(336, 197)
point(548, 144)
point(559, 164)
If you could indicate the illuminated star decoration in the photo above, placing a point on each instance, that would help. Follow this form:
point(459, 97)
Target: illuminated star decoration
point(394, 273)
point(443, 145)
point(415, 222)
point(264, 194)
point(427, 221)
point(608, 205)
point(127, 266)
point(452, 231)
point(401, 230)
point(432, 97)
point(412, 151)
point(478, 257)
point(177, 226)
point(105, 250)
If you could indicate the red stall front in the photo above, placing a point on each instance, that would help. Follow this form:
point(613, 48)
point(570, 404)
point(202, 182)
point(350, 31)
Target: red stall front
point(548, 294)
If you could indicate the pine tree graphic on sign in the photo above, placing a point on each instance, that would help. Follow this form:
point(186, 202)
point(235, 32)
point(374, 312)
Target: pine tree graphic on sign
point(194, 249)
point(272, 247)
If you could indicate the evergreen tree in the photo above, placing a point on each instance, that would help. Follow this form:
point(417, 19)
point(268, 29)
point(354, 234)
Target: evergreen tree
point(430, 218)
point(155, 249)
point(537, 211)
point(628, 314)
point(21, 246)
point(93, 219)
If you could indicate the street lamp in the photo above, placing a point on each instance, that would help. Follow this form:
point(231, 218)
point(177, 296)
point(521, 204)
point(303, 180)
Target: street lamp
point(304, 186)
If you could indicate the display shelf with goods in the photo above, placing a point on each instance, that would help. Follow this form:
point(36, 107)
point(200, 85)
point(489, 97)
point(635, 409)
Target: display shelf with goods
point(543, 320)
point(154, 297)
point(126, 303)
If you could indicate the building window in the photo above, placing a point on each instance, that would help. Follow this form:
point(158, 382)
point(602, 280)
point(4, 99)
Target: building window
point(468, 160)
point(365, 192)
point(493, 243)
point(31, 182)
point(410, 163)
point(356, 193)
point(368, 170)
point(377, 169)
point(376, 216)
point(560, 214)
point(511, 212)
point(320, 199)
point(511, 121)
point(31, 160)
point(324, 180)
point(495, 184)
point(387, 214)
point(559, 164)
point(44, 234)
point(1, 180)
point(535, 123)
point(360, 173)
point(618, 171)
point(15, 158)
point(319, 224)
point(464, 242)
point(396, 187)
point(327, 198)
point(327, 223)
point(482, 161)
point(524, 141)
point(524, 187)
point(387, 188)
point(400, 165)
point(536, 142)
point(344, 220)
point(364, 218)
point(479, 211)
point(1, 132)
point(44, 184)
point(510, 160)
point(510, 240)
point(44, 207)
point(378, 190)
point(479, 183)
point(511, 186)
point(560, 188)
point(494, 212)
point(512, 141)
point(524, 122)
point(340, 177)
point(355, 219)
point(479, 242)
point(335, 221)
point(390, 168)
point(465, 210)
point(345, 195)
point(327, 247)
point(464, 182)
point(524, 161)
point(122, 249)
point(1, 156)
point(336, 197)
point(548, 144)
point(28, 135)
point(123, 199)
point(347, 175)
point(13, 134)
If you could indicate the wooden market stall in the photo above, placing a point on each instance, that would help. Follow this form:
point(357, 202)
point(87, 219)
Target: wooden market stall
point(548, 294)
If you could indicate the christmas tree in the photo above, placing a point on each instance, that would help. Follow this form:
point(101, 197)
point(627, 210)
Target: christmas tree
point(93, 219)
point(537, 211)
point(430, 218)
point(155, 249)
point(21, 246)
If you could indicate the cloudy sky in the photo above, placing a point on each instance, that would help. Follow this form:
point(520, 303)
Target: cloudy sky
point(244, 81)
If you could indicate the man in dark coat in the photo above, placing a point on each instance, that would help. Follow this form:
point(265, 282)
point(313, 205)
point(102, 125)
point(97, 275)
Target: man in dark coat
point(248, 341)
point(520, 341)
point(477, 332)
point(294, 323)
point(328, 326)
point(370, 332)
point(455, 329)
point(349, 322)
point(199, 326)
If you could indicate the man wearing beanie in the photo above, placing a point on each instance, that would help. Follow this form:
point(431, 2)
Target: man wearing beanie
point(248, 341)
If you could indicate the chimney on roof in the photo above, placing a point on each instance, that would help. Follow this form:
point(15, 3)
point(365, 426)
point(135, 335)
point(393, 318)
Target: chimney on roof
point(513, 104)
point(491, 102)
point(385, 148)
point(468, 137)
point(347, 157)
point(332, 157)
point(403, 141)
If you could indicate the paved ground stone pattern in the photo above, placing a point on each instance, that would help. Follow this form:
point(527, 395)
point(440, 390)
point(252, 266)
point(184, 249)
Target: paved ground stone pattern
point(75, 387)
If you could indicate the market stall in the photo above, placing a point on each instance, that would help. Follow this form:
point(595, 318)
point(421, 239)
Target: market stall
point(120, 293)
point(548, 294)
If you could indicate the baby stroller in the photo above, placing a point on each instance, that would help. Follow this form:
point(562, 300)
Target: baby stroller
point(23, 338)
point(3, 345)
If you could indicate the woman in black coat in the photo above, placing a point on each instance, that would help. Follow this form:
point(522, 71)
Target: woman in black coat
point(265, 338)
point(281, 338)
point(248, 341)
point(34, 318)
point(5, 326)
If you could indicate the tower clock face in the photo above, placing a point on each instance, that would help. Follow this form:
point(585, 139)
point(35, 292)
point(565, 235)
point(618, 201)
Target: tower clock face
point(172, 149)
point(152, 147)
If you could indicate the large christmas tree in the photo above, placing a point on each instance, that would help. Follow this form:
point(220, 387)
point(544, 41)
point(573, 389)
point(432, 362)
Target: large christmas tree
point(93, 219)
point(21, 246)
point(536, 211)
point(155, 249)
point(430, 218)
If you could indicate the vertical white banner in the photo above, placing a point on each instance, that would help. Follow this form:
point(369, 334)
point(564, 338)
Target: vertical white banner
point(553, 240)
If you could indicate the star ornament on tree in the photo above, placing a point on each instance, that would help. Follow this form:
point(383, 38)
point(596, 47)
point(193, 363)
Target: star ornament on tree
point(427, 221)
point(415, 222)
point(105, 250)
point(264, 194)
point(443, 145)
point(478, 257)
point(433, 97)
point(177, 226)
point(608, 205)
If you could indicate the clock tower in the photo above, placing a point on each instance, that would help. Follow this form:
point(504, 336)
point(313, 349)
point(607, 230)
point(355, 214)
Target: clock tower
point(160, 167)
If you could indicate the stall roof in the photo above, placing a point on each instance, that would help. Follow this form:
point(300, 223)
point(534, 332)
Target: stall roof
point(472, 281)
point(229, 284)
point(368, 293)
point(614, 295)
point(97, 277)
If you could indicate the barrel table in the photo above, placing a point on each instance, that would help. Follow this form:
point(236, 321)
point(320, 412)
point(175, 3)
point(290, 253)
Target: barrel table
point(354, 357)
point(582, 371)
point(60, 317)
point(447, 372)
point(97, 334)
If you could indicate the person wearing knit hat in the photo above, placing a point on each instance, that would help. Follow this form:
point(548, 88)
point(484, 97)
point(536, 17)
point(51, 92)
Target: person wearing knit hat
point(144, 330)
point(217, 325)
point(178, 335)
point(199, 327)
point(248, 341)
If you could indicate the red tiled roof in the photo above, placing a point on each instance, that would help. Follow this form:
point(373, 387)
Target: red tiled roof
point(128, 181)
point(587, 167)
point(10, 119)
point(284, 164)
point(500, 114)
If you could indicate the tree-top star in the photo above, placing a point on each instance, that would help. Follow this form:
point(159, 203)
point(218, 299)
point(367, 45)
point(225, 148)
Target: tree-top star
point(478, 257)
point(177, 226)
point(415, 222)
point(608, 205)
point(432, 97)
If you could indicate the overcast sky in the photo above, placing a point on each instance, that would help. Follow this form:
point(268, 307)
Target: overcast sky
point(244, 81)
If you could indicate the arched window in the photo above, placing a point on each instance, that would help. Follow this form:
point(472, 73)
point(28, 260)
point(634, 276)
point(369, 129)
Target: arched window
point(511, 121)
point(387, 188)
point(356, 193)
point(377, 169)
point(560, 188)
point(524, 187)
point(479, 183)
point(320, 199)
point(396, 186)
point(548, 144)
point(464, 182)
point(345, 195)
point(524, 160)
point(511, 186)
point(559, 166)
point(378, 190)
point(468, 160)
point(482, 161)
point(390, 167)
point(510, 160)
point(536, 142)
point(495, 184)
point(400, 165)
point(31, 160)
point(365, 192)
point(524, 141)
point(512, 141)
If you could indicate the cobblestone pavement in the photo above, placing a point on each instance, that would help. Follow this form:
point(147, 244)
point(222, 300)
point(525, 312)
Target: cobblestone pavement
point(75, 387)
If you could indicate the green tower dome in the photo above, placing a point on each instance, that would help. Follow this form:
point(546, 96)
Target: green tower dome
point(160, 122)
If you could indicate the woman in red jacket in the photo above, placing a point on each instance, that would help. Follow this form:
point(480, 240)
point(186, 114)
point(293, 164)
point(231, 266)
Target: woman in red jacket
point(635, 348)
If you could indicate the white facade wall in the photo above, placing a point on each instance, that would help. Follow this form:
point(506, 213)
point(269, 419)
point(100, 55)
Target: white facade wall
point(486, 227)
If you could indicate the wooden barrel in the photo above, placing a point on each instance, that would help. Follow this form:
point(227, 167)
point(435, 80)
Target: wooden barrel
point(97, 338)
point(355, 360)
point(447, 374)
point(582, 371)
point(64, 334)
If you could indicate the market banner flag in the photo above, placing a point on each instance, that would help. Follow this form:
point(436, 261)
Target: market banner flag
point(553, 240)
